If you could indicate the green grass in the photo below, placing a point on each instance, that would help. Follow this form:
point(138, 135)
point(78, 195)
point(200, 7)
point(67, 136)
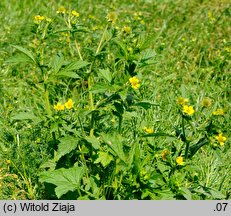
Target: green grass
point(98, 149)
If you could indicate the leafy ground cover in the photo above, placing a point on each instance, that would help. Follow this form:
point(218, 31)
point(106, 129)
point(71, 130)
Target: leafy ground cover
point(115, 99)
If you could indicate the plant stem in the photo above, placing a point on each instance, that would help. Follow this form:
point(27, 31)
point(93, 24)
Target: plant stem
point(47, 102)
point(185, 139)
point(120, 123)
point(101, 40)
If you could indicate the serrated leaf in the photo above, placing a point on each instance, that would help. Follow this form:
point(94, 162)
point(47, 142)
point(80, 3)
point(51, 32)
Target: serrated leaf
point(94, 141)
point(186, 193)
point(26, 52)
point(121, 45)
point(65, 179)
point(147, 54)
point(99, 88)
point(76, 65)
point(115, 143)
point(66, 145)
point(20, 58)
point(57, 62)
point(104, 158)
point(24, 116)
point(51, 164)
point(106, 74)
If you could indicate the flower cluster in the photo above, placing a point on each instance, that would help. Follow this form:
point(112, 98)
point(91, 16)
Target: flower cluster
point(206, 102)
point(218, 112)
point(127, 29)
point(181, 100)
point(38, 18)
point(164, 154)
point(188, 110)
point(112, 17)
point(62, 10)
point(68, 105)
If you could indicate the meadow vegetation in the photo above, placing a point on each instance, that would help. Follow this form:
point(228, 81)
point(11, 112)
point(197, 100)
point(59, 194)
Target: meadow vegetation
point(115, 99)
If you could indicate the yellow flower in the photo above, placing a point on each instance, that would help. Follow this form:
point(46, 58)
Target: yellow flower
point(134, 82)
point(15, 176)
point(182, 101)
point(74, 13)
point(112, 17)
point(8, 162)
point(61, 10)
point(180, 160)
point(206, 102)
point(69, 104)
point(188, 110)
point(148, 130)
point(164, 153)
point(127, 29)
point(142, 22)
point(59, 106)
point(39, 18)
point(218, 112)
point(221, 139)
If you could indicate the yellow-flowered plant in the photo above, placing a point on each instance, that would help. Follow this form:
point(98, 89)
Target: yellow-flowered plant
point(180, 160)
point(181, 100)
point(59, 106)
point(188, 110)
point(39, 18)
point(112, 17)
point(74, 13)
point(164, 154)
point(206, 102)
point(218, 112)
point(221, 139)
point(69, 104)
point(127, 29)
point(148, 130)
point(61, 10)
point(135, 83)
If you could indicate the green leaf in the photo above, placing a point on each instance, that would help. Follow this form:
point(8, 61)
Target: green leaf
point(104, 158)
point(66, 145)
point(68, 74)
point(57, 62)
point(51, 164)
point(94, 141)
point(19, 58)
point(76, 65)
point(26, 52)
point(159, 135)
point(64, 179)
point(106, 74)
point(186, 193)
point(68, 70)
point(115, 143)
point(147, 54)
point(145, 105)
point(24, 116)
point(99, 88)
point(122, 46)
point(165, 194)
point(119, 107)
point(195, 147)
